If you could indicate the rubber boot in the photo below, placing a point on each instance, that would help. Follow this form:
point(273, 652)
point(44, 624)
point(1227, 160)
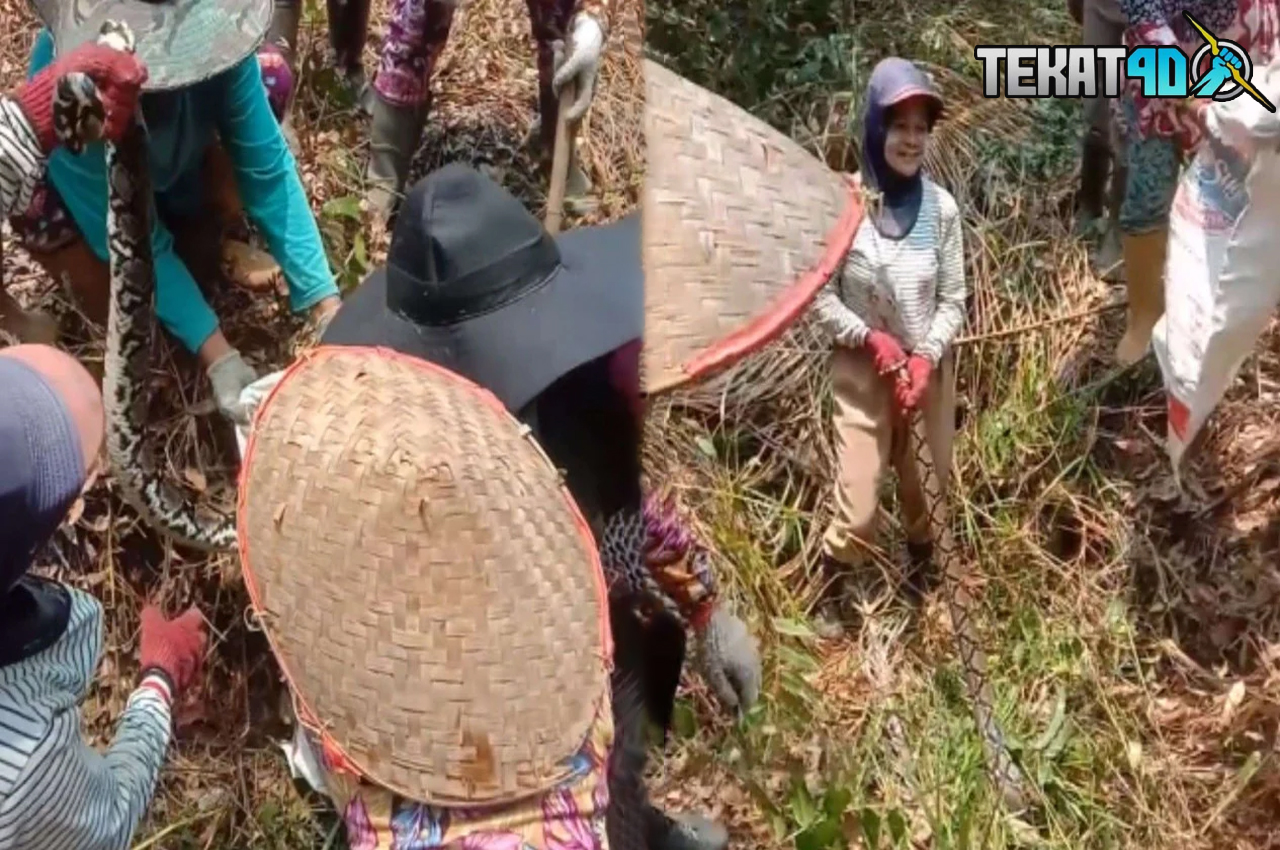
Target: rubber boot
point(1109, 261)
point(393, 142)
point(1144, 256)
point(1095, 161)
point(283, 32)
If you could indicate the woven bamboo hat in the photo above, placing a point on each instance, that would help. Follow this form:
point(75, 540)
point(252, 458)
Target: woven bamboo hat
point(430, 590)
point(741, 229)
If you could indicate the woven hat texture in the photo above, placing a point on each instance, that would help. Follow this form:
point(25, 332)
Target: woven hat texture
point(425, 580)
point(741, 229)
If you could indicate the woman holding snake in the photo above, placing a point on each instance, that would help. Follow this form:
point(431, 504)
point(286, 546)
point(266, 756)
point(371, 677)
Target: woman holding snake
point(894, 311)
point(205, 102)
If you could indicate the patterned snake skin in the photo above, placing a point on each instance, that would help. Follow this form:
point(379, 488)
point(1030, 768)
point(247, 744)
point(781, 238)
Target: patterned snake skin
point(78, 116)
point(1004, 771)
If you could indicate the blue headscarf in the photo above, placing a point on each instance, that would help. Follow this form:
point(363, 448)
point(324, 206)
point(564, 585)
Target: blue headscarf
point(41, 473)
point(893, 80)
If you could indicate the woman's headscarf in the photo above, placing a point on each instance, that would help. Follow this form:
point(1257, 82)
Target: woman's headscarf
point(50, 423)
point(893, 81)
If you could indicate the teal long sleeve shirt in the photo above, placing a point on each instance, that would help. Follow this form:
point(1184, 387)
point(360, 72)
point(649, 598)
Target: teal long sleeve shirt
point(231, 107)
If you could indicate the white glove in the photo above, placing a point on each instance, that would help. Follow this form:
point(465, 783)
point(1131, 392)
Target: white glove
point(581, 63)
point(229, 375)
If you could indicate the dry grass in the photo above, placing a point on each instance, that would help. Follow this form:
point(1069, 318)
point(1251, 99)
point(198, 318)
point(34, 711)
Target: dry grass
point(226, 784)
point(1132, 630)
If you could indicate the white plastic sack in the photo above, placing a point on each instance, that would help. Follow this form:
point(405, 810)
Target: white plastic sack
point(251, 397)
point(303, 762)
point(298, 752)
point(1221, 286)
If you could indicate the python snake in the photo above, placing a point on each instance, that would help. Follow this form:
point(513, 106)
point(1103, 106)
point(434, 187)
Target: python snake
point(78, 118)
point(1004, 771)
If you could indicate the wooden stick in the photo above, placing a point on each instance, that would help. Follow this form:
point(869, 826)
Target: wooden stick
point(560, 161)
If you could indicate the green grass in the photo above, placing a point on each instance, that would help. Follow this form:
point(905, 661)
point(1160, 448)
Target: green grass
point(870, 743)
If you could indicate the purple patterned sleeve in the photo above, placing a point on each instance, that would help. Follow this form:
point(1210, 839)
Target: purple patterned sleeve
point(654, 553)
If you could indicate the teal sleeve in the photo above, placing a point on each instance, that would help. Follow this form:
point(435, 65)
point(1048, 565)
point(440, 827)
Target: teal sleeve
point(270, 189)
point(81, 182)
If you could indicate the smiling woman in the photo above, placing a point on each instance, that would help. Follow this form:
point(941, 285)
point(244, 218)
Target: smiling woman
point(893, 312)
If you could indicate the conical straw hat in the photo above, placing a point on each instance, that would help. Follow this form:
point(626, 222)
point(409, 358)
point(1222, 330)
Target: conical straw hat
point(741, 228)
point(431, 591)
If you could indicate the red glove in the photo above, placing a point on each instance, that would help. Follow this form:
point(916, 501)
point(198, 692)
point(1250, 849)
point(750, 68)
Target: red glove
point(174, 647)
point(885, 351)
point(118, 75)
point(910, 388)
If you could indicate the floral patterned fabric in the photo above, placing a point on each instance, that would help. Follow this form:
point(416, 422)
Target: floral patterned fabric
point(1153, 178)
point(1154, 131)
point(1161, 22)
point(652, 554)
point(571, 817)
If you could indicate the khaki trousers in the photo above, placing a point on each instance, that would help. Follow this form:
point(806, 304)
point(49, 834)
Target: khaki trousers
point(871, 436)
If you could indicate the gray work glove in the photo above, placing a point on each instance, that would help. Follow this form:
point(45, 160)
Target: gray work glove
point(730, 660)
point(685, 831)
point(229, 375)
point(580, 63)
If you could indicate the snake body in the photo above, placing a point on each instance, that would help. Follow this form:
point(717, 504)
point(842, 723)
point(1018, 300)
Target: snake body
point(78, 117)
point(1004, 771)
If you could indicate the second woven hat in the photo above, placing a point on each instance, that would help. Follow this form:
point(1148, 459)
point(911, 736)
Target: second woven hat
point(741, 229)
point(426, 582)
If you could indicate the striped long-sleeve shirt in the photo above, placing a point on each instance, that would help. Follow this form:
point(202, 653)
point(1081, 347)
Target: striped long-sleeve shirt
point(21, 159)
point(57, 792)
point(912, 288)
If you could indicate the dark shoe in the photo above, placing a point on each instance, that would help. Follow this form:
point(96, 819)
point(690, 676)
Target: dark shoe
point(685, 831)
point(922, 572)
point(829, 620)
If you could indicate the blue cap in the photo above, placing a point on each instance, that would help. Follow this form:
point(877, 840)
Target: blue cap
point(41, 466)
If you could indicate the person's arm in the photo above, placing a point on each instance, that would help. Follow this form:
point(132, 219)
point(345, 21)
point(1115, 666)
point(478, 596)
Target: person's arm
point(21, 159)
point(85, 800)
point(270, 189)
point(844, 325)
point(653, 554)
point(601, 10)
point(81, 181)
point(69, 796)
point(952, 291)
point(27, 126)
